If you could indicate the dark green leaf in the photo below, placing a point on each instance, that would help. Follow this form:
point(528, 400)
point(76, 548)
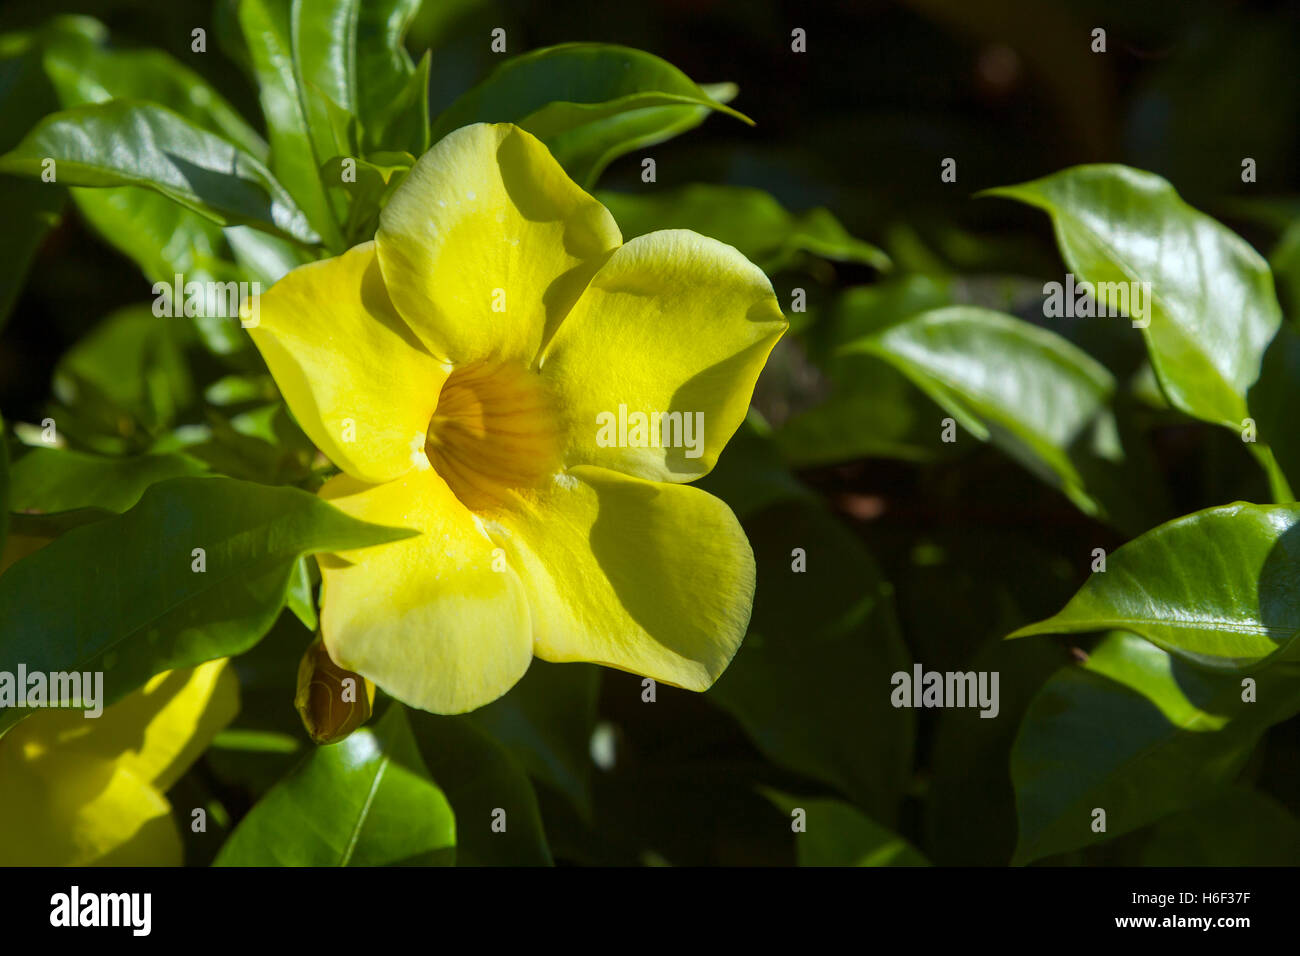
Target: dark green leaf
point(6, 486)
point(486, 786)
point(1242, 828)
point(1138, 734)
point(546, 721)
point(839, 835)
point(122, 596)
point(821, 648)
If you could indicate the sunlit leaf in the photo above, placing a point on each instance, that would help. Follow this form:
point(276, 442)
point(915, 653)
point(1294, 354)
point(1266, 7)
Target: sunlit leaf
point(366, 801)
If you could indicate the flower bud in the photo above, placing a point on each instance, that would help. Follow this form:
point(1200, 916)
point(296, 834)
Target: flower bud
point(331, 701)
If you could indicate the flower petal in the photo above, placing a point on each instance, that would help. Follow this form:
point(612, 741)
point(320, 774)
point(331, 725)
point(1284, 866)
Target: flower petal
point(89, 790)
point(653, 578)
point(92, 813)
point(674, 322)
point(487, 243)
point(161, 729)
point(427, 618)
point(359, 382)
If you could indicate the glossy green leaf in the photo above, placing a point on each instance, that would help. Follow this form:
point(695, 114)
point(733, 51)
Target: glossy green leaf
point(486, 785)
point(49, 479)
point(749, 219)
point(546, 721)
point(352, 52)
point(1137, 733)
point(133, 143)
point(268, 27)
point(84, 71)
point(588, 102)
point(818, 641)
point(1028, 390)
point(1213, 310)
point(366, 801)
point(838, 835)
point(123, 595)
point(1217, 587)
point(162, 237)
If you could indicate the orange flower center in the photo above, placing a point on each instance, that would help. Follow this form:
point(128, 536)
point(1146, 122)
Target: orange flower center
point(494, 432)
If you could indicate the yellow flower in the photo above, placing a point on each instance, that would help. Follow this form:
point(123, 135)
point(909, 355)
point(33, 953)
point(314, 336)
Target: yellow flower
point(458, 370)
point(76, 791)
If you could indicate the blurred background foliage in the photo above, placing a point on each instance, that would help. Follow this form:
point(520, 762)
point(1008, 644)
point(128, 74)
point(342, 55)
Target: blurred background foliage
point(917, 550)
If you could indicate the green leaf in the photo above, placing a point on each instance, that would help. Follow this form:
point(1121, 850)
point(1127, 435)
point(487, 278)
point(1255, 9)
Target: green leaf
point(122, 596)
point(163, 238)
point(483, 781)
point(366, 801)
point(1271, 401)
point(546, 721)
point(750, 474)
point(31, 208)
point(263, 444)
point(819, 641)
point(1216, 587)
point(83, 72)
point(1137, 733)
point(872, 409)
point(1213, 310)
point(301, 596)
point(1028, 390)
point(265, 258)
point(588, 102)
point(128, 376)
point(6, 487)
point(1242, 828)
point(372, 182)
point(749, 219)
point(268, 30)
point(131, 143)
point(51, 480)
point(839, 835)
point(352, 52)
